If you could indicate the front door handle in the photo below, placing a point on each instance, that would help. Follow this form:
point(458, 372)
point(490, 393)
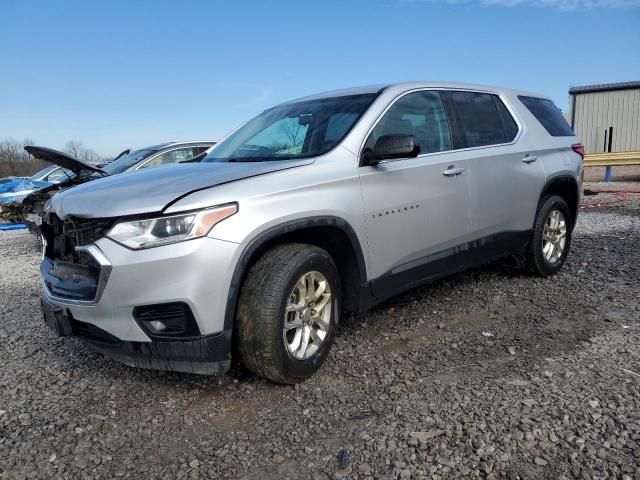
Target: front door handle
point(529, 158)
point(452, 171)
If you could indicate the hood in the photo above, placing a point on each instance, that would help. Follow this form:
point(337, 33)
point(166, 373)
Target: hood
point(62, 159)
point(152, 190)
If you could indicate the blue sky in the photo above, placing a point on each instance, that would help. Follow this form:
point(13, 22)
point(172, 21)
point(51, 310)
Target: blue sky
point(114, 74)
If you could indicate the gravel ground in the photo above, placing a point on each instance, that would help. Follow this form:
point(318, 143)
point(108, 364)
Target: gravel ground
point(488, 374)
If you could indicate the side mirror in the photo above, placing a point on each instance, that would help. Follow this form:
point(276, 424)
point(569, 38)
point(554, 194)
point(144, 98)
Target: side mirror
point(392, 147)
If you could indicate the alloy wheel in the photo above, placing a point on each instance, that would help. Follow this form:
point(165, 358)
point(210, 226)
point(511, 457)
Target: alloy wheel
point(307, 315)
point(554, 236)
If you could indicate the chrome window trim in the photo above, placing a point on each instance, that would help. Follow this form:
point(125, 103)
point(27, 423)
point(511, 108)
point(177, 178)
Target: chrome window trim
point(502, 98)
point(171, 149)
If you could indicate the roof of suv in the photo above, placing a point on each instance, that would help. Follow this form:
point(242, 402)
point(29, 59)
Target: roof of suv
point(409, 85)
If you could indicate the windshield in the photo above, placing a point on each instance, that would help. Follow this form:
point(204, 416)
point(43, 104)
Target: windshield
point(127, 161)
point(295, 130)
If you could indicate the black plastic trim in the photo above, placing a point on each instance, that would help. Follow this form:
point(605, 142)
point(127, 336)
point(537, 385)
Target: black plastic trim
point(574, 183)
point(441, 264)
point(142, 312)
point(210, 354)
point(455, 130)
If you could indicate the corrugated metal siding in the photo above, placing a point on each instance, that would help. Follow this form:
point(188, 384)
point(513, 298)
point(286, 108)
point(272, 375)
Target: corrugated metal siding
point(596, 112)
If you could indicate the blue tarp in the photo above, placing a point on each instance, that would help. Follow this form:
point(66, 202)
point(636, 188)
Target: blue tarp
point(11, 226)
point(18, 188)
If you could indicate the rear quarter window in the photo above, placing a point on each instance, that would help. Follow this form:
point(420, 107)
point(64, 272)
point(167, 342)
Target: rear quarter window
point(548, 115)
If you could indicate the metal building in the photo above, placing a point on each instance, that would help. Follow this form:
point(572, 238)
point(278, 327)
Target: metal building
point(606, 117)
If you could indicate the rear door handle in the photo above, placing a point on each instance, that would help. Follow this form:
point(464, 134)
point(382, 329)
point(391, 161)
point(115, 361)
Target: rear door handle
point(529, 158)
point(452, 171)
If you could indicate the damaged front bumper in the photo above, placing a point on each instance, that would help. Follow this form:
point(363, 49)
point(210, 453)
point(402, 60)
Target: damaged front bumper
point(109, 296)
point(206, 355)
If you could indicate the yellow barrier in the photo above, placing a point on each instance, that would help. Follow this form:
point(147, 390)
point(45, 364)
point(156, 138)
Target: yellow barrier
point(612, 159)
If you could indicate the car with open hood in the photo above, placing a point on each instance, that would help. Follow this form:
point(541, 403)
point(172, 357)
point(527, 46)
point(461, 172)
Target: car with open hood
point(15, 188)
point(328, 203)
point(68, 171)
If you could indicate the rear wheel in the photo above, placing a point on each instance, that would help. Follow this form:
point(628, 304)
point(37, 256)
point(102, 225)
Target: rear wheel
point(551, 238)
point(287, 312)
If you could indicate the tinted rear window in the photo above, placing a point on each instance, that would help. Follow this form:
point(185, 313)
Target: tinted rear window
point(548, 115)
point(482, 119)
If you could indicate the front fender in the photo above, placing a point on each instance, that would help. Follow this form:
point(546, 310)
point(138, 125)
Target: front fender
point(258, 241)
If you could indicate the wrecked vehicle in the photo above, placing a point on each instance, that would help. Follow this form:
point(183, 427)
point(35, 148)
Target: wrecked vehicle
point(52, 174)
point(13, 207)
point(30, 209)
point(15, 188)
point(328, 203)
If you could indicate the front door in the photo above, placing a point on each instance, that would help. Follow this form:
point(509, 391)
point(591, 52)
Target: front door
point(416, 209)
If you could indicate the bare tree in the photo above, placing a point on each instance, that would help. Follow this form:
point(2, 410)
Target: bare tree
point(78, 150)
point(14, 159)
point(291, 131)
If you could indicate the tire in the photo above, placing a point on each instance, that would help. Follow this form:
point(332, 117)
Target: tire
point(274, 283)
point(541, 258)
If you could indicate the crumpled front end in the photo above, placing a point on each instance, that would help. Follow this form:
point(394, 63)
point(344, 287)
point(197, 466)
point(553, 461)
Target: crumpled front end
point(155, 308)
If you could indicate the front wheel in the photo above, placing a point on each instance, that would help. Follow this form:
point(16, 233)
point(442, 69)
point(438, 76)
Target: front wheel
point(551, 238)
point(287, 312)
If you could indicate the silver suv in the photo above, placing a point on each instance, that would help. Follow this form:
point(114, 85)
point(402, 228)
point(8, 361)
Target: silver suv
point(329, 203)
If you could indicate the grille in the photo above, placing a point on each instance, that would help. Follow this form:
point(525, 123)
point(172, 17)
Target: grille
point(87, 231)
point(72, 281)
point(63, 236)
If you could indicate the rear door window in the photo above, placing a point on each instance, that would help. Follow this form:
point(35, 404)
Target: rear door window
point(548, 115)
point(482, 119)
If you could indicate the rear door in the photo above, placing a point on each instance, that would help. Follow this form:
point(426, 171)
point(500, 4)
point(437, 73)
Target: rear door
point(415, 208)
point(505, 177)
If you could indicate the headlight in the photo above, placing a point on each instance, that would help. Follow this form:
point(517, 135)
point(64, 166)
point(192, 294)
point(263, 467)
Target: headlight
point(153, 232)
